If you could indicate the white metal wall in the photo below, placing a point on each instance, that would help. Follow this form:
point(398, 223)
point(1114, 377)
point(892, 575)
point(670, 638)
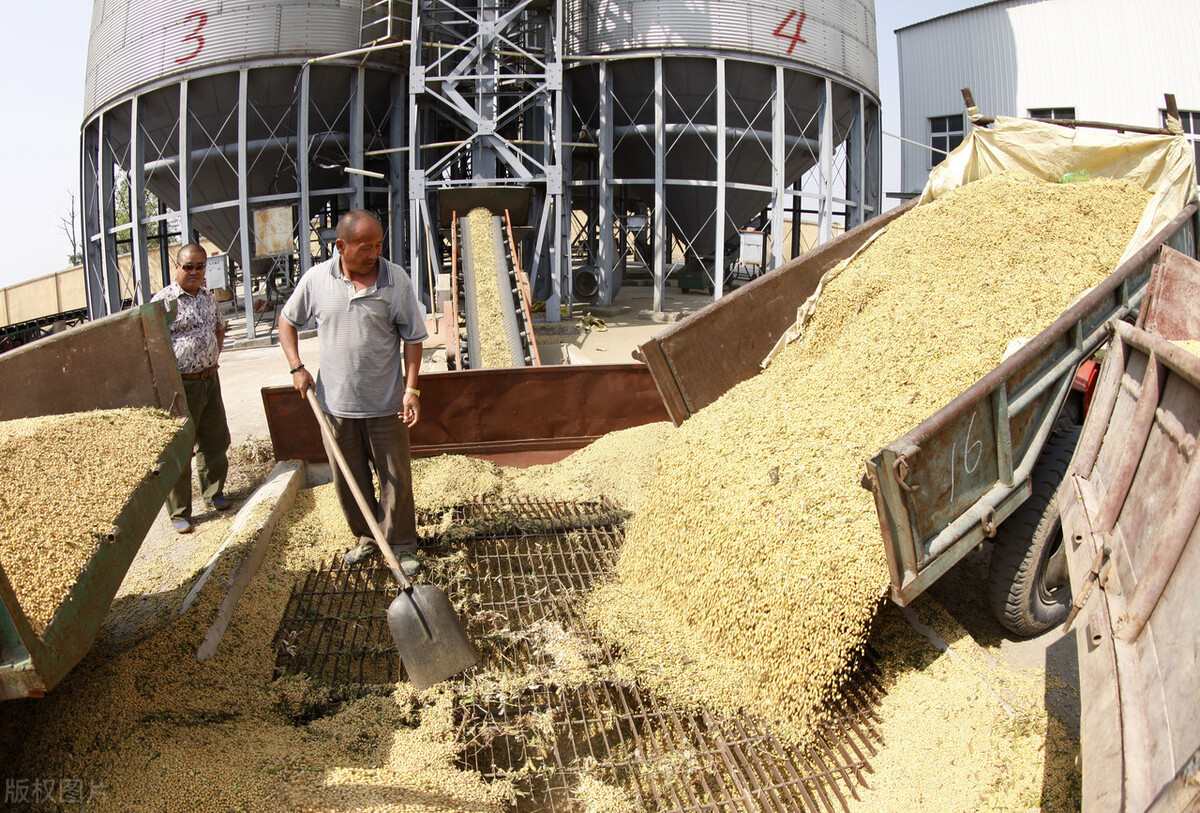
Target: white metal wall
point(1111, 60)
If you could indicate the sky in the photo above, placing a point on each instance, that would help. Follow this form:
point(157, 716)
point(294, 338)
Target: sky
point(43, 93)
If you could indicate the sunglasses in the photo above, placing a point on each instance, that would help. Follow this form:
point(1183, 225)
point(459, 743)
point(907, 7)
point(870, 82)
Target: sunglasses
point(193, 266)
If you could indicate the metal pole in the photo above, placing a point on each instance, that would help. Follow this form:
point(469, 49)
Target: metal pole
point(137, 204)
point(660, 192)
point(243, 204)
point(110, 268)
point(357, 92)
point(560, 199)
point(90, 203)
point(416, 180)
point(185, 165)
point(719, 236)
point(605, 247)
point(397, 163)
point(856, 155)
point(778, 176)
point(164, 252)
point(303, 203)
point(825, 219)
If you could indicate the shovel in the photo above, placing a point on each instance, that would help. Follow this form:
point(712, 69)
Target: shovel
point(432, 642)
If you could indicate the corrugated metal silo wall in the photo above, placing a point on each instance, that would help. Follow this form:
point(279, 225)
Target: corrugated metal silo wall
point(138, 42)
point(834, 37)
point(1110, 60)
point(810, 42)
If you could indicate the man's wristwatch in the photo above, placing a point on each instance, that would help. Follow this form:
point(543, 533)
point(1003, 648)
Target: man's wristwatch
point(412, 390)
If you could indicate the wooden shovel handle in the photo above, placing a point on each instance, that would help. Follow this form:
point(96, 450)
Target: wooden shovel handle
point(340, 461)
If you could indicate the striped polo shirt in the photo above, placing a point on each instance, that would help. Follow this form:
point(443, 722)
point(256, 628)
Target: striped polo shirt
point(361, 336)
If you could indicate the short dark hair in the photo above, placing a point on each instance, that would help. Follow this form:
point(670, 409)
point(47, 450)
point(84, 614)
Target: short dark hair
point(187, 248)
point(349, 222)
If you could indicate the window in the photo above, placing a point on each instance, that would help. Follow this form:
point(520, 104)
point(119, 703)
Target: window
point(1191, 126)
point(1061, 113)
point(945, 133)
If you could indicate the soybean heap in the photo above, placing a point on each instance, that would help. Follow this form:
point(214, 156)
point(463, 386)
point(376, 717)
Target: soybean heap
point(63, 481)
point(750, 577)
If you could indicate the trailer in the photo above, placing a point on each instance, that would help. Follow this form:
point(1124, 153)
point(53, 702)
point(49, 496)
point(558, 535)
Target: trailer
point(1130, 510)
point(124, 360)
point(986, 466)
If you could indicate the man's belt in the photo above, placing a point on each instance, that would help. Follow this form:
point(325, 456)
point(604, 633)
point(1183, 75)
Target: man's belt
point(203, 375)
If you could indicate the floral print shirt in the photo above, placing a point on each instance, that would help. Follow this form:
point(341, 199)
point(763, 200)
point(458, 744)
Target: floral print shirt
point(194, 331)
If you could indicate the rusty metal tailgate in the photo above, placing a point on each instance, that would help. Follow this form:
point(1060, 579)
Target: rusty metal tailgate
point(515, 416)
point(1131, 517)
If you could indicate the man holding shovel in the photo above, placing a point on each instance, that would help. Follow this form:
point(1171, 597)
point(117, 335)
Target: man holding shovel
point(370, 330)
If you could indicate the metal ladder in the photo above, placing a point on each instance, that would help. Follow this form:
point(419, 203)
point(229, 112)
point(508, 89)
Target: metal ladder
point(382, 21)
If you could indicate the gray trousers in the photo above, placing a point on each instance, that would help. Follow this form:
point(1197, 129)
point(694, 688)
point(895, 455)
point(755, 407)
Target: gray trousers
point(379, 444)
point(212, 442)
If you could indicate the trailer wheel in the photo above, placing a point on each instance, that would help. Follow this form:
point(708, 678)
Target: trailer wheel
point(1028, 584)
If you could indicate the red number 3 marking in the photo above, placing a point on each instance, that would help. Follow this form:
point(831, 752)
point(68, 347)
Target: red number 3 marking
point(795, 38)
point(201, 18)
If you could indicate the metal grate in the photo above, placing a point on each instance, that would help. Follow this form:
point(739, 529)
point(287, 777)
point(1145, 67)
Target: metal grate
point(517, 574)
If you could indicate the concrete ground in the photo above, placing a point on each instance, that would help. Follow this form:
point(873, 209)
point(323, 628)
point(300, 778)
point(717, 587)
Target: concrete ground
point(247, 366)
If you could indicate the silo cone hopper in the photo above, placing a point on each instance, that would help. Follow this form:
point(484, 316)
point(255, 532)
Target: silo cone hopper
point(124, 360)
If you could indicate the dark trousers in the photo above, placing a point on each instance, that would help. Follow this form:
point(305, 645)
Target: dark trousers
point(379, 444)
point(212, 442)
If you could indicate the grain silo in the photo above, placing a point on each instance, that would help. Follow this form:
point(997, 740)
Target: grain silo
point(248, 123)
point(711, 116)
point(672, 125)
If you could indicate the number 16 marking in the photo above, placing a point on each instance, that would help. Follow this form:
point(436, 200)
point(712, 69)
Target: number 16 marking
point(795, 38)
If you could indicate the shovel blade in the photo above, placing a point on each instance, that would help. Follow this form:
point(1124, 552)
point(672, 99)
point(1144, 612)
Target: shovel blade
point(432, 642)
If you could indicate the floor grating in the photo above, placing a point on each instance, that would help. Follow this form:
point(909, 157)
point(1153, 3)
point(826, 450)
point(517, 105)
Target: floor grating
point(516, 572)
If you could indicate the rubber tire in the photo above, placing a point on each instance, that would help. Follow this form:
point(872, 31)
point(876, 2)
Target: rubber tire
point(1026, 542)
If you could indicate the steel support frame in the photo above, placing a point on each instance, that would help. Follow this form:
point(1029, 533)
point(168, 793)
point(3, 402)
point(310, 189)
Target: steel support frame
point(456, 82)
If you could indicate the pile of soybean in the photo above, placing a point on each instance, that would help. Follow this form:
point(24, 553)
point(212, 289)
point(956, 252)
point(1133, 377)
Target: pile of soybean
point(153, 728)
point(63, 481)
point(753, 568)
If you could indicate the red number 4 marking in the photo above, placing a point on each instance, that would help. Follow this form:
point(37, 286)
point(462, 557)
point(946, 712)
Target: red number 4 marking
point(201, 18)
point(795, 38)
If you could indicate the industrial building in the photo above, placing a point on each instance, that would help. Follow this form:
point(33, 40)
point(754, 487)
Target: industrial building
point(1089, 60)
point(616, 132)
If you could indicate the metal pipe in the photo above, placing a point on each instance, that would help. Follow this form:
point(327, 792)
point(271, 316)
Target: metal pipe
point(231, 150)
point(722, 176)
point(304, 241)
point(710, 130)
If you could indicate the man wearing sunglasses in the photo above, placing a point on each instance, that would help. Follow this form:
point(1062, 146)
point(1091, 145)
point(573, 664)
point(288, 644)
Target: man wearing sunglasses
point(197, 336)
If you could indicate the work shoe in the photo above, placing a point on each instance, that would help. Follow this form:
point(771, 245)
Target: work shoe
point(365, 549)
point(182, 526)
point(221, 503)
point(410, 565)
